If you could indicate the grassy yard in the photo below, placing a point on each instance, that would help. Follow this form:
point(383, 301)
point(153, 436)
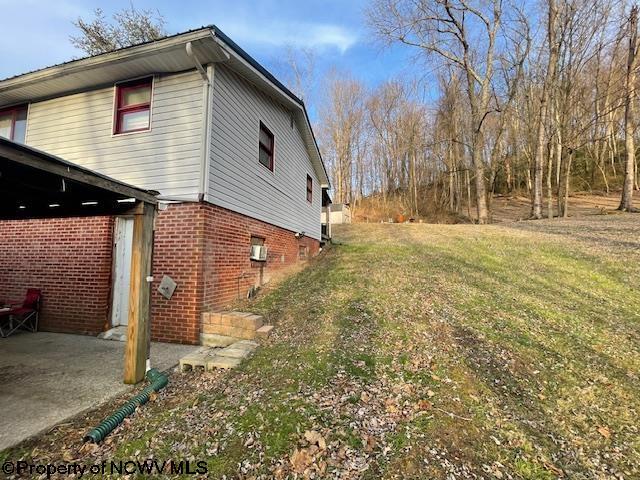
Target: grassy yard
point(420, 351)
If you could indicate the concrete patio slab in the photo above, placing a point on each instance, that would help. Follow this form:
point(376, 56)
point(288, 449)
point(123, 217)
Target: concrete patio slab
point(46, 378)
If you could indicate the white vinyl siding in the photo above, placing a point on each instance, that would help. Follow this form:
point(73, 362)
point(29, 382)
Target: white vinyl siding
point(237, 180)
point(167, 158)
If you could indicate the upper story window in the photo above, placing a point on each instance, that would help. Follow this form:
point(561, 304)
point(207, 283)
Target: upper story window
point(133, 106)
point(309, 189)
point(266, 146)
point(13, 123)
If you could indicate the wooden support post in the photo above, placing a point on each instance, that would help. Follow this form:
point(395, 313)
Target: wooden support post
point(138, 336)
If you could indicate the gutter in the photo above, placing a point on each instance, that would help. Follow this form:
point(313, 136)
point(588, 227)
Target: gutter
point(222, 39)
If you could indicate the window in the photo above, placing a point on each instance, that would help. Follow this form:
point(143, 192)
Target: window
point(13, 123)
point(133, 106)
point(309, 189)
point(255, 240)
point(266, 144)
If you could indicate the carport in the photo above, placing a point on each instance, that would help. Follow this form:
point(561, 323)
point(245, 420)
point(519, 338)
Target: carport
point(35, 184)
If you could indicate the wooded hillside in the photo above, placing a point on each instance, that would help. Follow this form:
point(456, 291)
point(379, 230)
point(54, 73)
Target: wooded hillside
point(538, 101)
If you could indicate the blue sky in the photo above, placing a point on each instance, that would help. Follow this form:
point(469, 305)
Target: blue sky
point(36, 32)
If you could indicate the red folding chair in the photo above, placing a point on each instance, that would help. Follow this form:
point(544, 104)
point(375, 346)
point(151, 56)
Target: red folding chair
point(23, 316)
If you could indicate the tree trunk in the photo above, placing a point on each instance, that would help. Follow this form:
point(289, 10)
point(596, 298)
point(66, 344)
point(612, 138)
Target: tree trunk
point(466, 178)
point(563, 187)
point(626, 202)
point(565, 204)
point(549, 183)
point(481, 193)
point(542, 115)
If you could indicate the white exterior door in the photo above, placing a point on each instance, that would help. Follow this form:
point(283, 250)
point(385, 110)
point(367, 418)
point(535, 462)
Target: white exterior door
point(123, 240)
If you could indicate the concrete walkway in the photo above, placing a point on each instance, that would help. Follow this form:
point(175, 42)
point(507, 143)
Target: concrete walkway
point(46, 378)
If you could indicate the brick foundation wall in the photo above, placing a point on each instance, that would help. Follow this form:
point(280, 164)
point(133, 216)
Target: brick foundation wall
point(69, 259)
point(228, 271)
point(202, 247)
point(178, 249)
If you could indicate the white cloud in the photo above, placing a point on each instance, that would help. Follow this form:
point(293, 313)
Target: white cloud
point(277, 33)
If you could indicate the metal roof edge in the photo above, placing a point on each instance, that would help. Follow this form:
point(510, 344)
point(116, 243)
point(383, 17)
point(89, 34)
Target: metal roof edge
point(255, 64)
point(97, 60)
point(272, 79)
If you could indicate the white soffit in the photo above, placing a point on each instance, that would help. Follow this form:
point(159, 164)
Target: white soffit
point(163, 56)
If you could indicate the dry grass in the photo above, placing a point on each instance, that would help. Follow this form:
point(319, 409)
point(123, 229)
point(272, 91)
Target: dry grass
point(504, 208)
point(421, 351)
point(510, 208)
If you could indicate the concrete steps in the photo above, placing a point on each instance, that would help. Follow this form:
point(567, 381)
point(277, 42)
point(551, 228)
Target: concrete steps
point(220, 329)
point(211, 358)
point(215, 340)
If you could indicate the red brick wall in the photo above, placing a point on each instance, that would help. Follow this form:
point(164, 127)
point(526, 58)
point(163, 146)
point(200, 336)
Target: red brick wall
point(228, 272)
point(202, 247)
point(69, 260)
point(178, 248)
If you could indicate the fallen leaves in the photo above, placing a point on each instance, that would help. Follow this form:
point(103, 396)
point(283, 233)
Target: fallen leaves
point(442, 382)
point(391, 406)
point(301, 460)
point(310, 460)
point(604, 431)
point(314, 438)
point(369, 442)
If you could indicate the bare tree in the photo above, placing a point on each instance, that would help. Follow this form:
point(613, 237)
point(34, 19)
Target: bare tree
point(127, 27)
point(513, 109)
point(342, 133)
point(397, 124)
point(302, 71)
point(463, 34)
point(626, 202)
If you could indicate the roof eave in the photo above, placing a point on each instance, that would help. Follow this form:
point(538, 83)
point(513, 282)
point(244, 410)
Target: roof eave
point(210, 32)
point(99, 60)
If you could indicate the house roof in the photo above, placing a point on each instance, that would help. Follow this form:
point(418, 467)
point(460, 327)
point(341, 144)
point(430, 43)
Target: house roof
point(166, 55)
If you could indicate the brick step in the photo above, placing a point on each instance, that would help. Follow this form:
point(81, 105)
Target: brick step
point(216, 340)
point(242, 325)
point(213, 358)
point(264, 331)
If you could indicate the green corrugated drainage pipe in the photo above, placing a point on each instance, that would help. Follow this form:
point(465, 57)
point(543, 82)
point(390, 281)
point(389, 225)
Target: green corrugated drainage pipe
point(158, 381)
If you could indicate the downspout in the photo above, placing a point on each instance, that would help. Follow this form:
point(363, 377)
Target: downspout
point(207, 86)
point(209, 132)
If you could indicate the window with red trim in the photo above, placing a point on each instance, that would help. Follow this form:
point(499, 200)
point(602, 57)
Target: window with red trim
point(266, 147)
point(133, 106)
point(309, 189)
point(13, 123)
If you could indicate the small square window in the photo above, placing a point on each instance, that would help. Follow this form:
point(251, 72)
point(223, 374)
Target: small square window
point(309, 189)
point(255, 240)
point(133, 106)
point(265, 147)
